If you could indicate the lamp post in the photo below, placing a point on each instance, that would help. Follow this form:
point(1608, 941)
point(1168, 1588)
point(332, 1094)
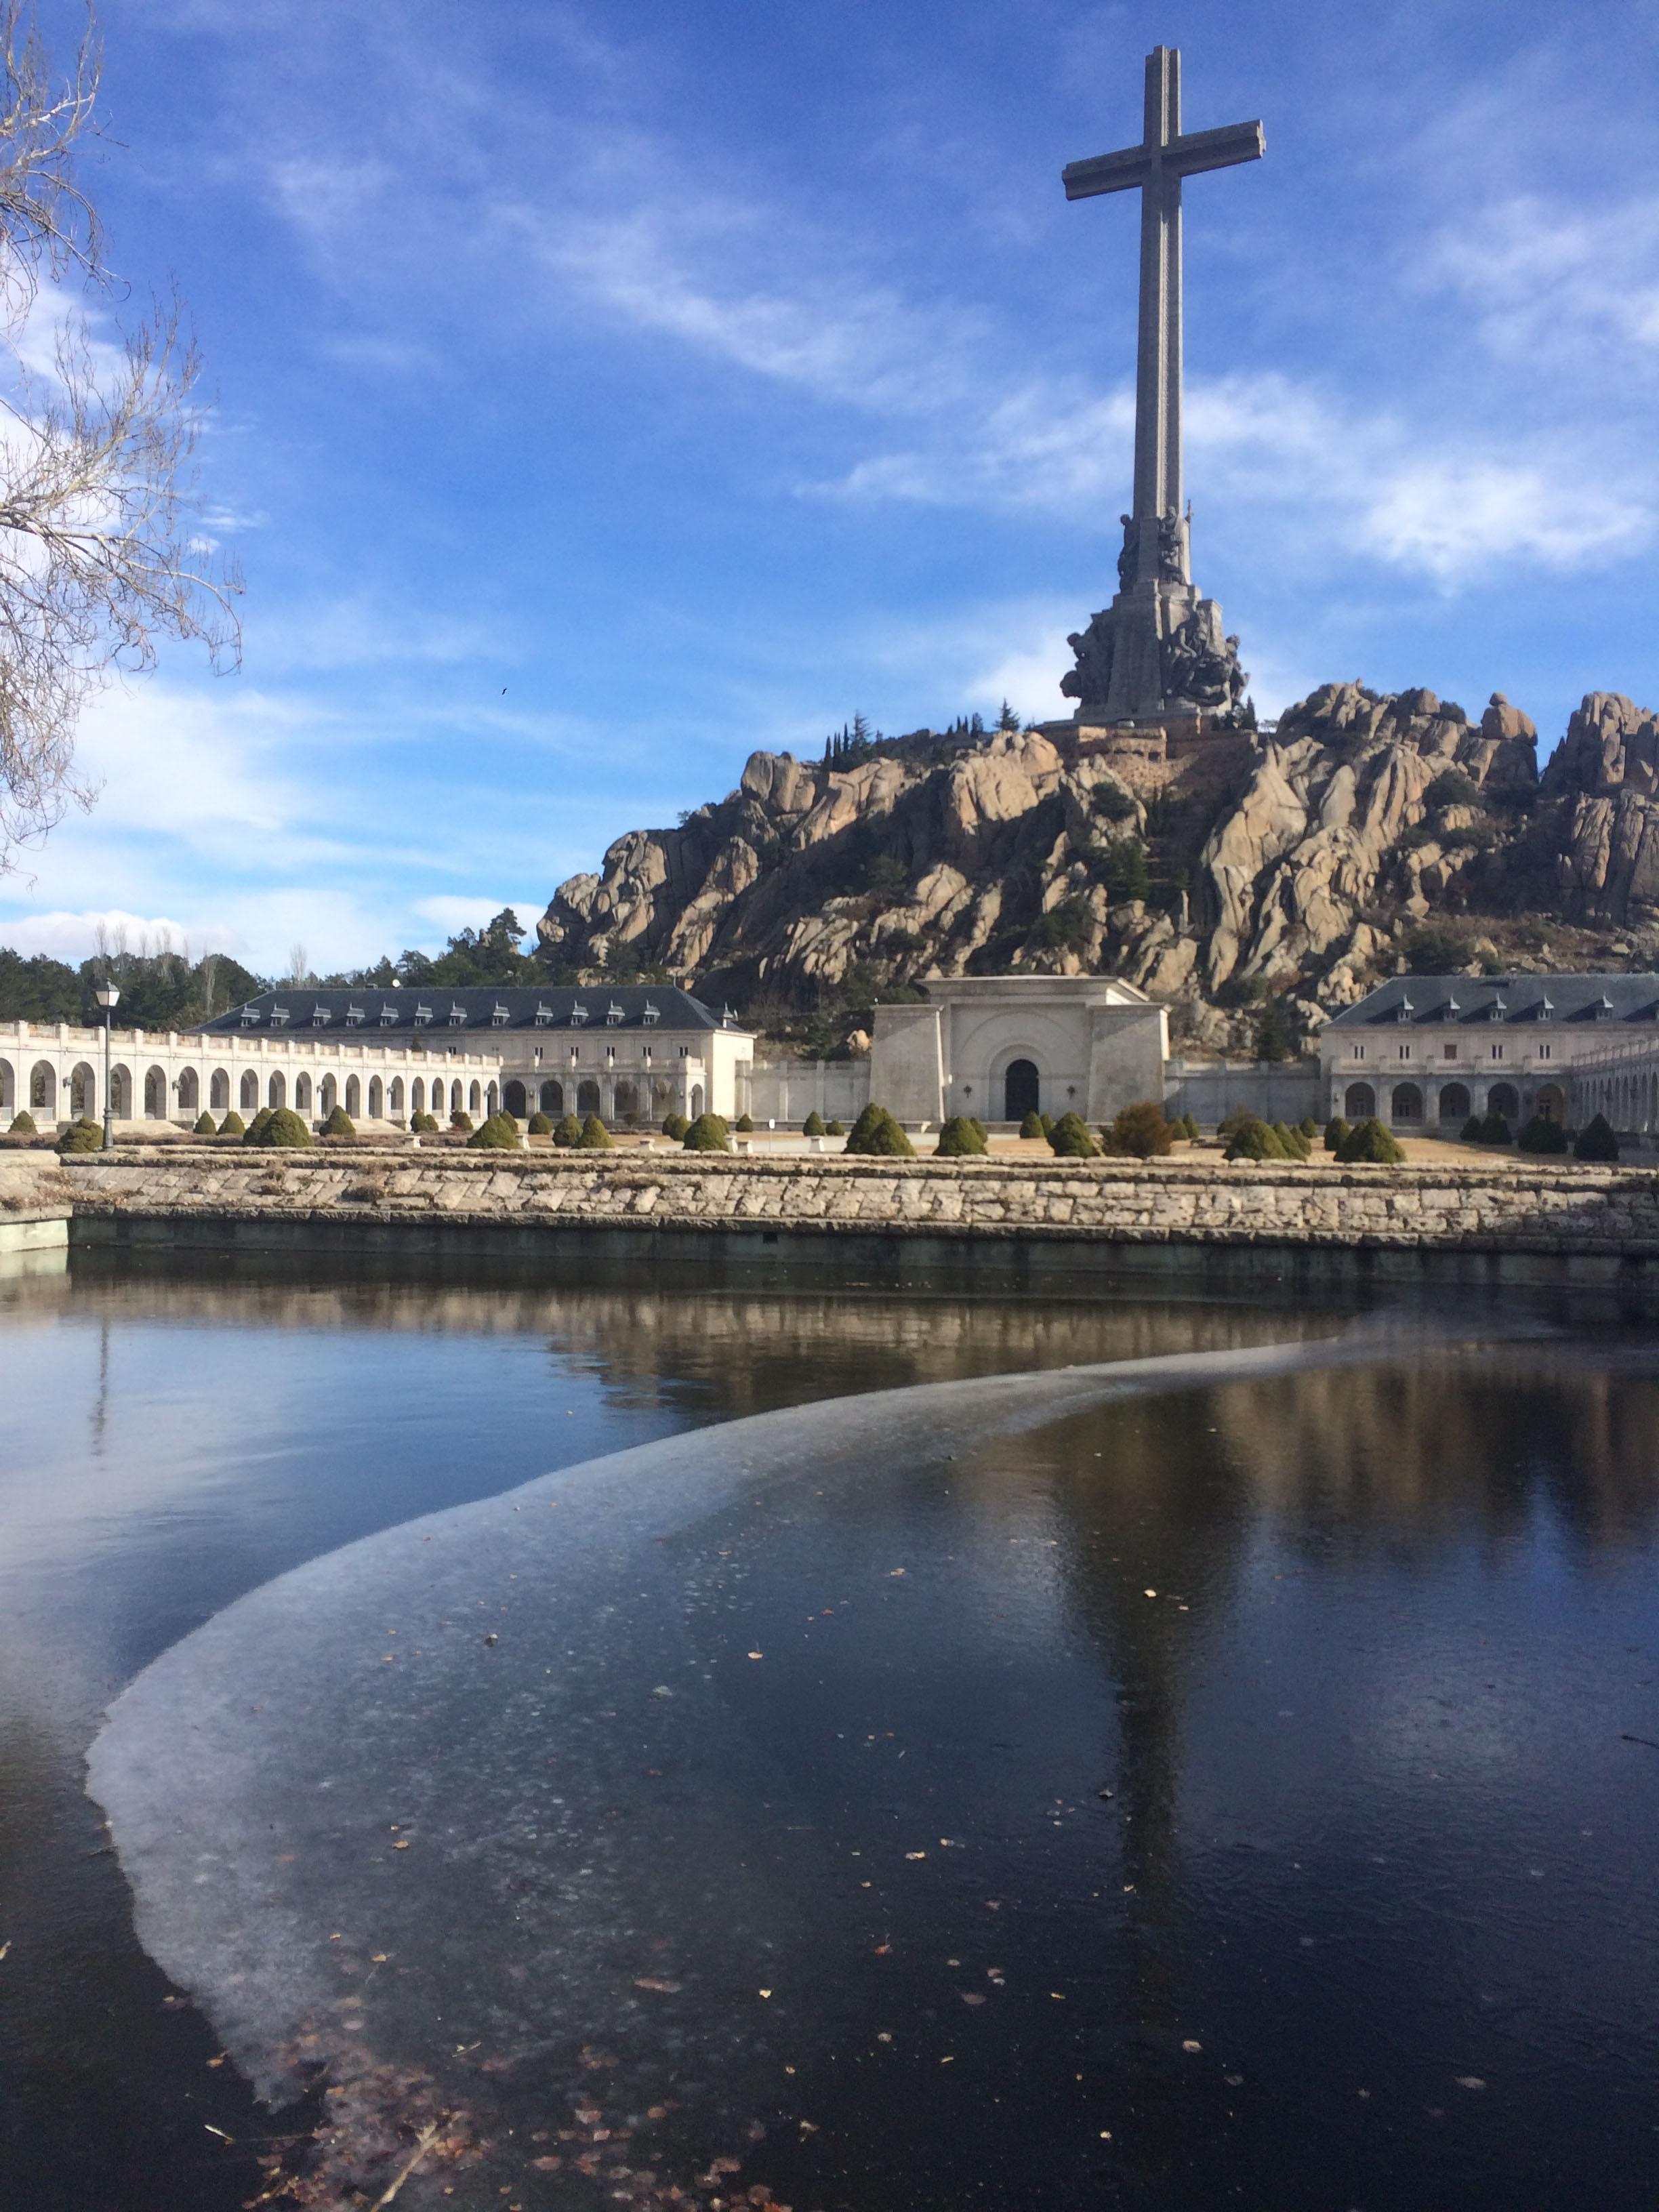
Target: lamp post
point(107, 996)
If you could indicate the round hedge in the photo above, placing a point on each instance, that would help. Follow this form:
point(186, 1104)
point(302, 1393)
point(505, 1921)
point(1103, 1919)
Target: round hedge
point(233, 1124)
point(499, 1133)
point(707, 1134)
point(339, 1124)
point(206, 1126)
point(255, 1131)
point(569, 1131)
point(23, 1124)
point(1335, 1130)
point(960, 1139)
point(1031, 1128)
point(835, 1129)
point(461, 1119)
point(1069, 1140)
point(284, 1128)
point(423, 1125)
point(541, 1125)
point(82, 1136)
point(1596, 1140)
point(813, 1125)
point(1371, 1144)
point(594, 1137)
point(1541, 1134)
point(744, 1124)
point(675, 1126)
point(1141, 1131)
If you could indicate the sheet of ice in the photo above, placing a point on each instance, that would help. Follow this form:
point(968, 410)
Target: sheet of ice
point(457, 1820)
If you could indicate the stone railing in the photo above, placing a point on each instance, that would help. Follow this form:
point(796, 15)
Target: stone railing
point(1565, 1209)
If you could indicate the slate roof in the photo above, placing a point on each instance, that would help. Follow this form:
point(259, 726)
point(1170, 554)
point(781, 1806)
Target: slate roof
point(1459, 1000)
point(472, 1011)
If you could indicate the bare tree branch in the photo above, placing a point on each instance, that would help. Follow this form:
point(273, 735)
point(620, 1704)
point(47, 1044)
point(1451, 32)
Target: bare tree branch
point(99, 560)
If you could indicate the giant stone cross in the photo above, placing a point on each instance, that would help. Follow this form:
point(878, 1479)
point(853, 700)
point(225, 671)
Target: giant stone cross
point(1157, 652)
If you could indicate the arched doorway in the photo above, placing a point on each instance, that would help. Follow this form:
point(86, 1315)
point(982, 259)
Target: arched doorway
point(1406, 1104)
point(513, 1099)
point(395, 1099)
point(189, 1096)
point(1504, 1098)
point(8, 1090)
point(1551, 1103)
point(219, 1091)
point(276, 1092)
point(43, 1088)
point(627, 1101)
point(250, 1091)
point(354, 1095)
point(1454, 1102)
point(83, 1093)
point(302, 1094)
point(155, 1095)
point(696, 1102)
point(587, 1096)
point(120, 1092)
point(1358, 1103)
point(553, 1098)
point(1021, 1090)
point(376, 1099)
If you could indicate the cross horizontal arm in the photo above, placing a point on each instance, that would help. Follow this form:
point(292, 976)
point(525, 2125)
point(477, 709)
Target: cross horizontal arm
point(1105, 172)
point(1195, 151)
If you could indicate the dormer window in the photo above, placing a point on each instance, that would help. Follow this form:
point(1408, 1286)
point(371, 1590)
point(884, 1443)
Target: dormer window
point(1405, 1012)
point(423, 1016)
point(614, 1015)
point(1604, 1008)
point(498, 1017)
point(319, 1018)
point(1547, 1010)
point(457, 1014)
point(1496, 1011)
point(250, 1018)
point(1452, 1011)
point(543, 1016)
point(279, 1018)
point(354, 1018)
point(388, 1016)
point(578, 1015)
point(651, 1016)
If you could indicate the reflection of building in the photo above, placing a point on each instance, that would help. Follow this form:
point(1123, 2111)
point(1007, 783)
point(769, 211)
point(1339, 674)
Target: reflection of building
point(629, 1054)
point(1002, 1046)
point(1423, 1052)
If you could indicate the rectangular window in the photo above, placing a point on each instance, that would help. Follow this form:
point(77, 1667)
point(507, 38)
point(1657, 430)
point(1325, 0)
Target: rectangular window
point(1405, 1052)
point(1358, 1052)
point(1543, 1052)
point(1497, 1052)
point(1450, 1051)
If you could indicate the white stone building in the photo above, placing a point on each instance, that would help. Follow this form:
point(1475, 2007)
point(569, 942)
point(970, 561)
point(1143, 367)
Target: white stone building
point(1001, 1047)
point(1423, 1053)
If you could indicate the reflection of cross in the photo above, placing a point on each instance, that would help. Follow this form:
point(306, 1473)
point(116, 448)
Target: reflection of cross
point(1157, 166)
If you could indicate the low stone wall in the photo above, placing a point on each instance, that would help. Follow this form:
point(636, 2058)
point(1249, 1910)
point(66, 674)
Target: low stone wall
point(1570, 1212)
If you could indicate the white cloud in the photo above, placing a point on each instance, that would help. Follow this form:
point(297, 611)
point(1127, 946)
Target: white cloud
point(71, 937)
point(451, 915)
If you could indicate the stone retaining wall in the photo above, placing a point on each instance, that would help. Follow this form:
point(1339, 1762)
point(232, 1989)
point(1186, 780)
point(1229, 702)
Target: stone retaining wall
point(1564, 1211)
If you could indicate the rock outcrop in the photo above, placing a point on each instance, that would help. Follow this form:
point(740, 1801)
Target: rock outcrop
point(1301, 860)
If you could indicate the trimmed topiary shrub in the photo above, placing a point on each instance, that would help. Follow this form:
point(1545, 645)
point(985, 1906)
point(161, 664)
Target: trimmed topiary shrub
point(888, 1141)
point(707, 1134)
point(205, 1126)
point(959, 1139)
point(499, 1133)
point(1253, 1140)
point(541, 1125)
point(569, 1131)
point(813, 1125)
point(283, 1127)
point(835, 1129)
point(1293, 1143)
point(1494, 1130)
point(1309, 1128)
point(1470, 1132)
point(863, 1128)
point(423, 1125)
point(675, 1126)
point(1141, 1131)
point(1541, 1134)
point(1031, 1128)
point(1069, 1139)
point(743, 1123)
point(594, 1136)
point(1371, 1144)
point(233, 1124)
point(84, 1136)
point(1596, 1140)
point(1189, 1129)
point(256, 1128)
point(339, 1124)
point(23, 1124)
point(461, 1119)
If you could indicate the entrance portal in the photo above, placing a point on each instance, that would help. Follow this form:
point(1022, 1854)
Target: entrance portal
point(1020, 1090)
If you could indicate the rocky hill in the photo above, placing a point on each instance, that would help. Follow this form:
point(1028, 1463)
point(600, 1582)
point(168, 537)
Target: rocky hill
point(1289, 868)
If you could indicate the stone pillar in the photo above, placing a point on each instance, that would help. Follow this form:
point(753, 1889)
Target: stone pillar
point(1127, 1048)
point(906, 1063)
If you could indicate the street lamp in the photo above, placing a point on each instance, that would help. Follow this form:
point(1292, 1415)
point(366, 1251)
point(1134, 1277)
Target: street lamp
point(107, 995)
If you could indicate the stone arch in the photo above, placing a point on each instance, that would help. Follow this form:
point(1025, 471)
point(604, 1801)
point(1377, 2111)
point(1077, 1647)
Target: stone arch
point(553, 1098)
point(1406, 1103)
point(587, 1096)
point(276, 1090)
point(1504, 1098)
point(696, 1101)
point(491, 1103)
point(120, 1092)
point(190, 1091)
point(43, 1088)
point(475, 1097)
point(249, 1090)
point(219, 1091)
point(328, 1096)
point(512, 1098)
point(354, 1098)
point(662, 1098)
point(1551, 1103)
point(155, 1094)
point(394, 1099)
point(376, 1099)
point(628, 1100)
point(1021, 1090)
point(1358, 1103)
point(417, 1097)
point(1454, 1102)
point(83, 1093)
point(8, 1089)
point(302, 1092)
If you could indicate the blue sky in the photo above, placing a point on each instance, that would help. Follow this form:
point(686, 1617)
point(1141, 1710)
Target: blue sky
point(607, 391)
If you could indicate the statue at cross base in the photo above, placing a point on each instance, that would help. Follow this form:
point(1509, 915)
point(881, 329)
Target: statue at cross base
point(1159, 650)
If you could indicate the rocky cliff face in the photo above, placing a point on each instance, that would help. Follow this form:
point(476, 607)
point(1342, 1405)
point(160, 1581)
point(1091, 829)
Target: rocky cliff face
point(1302, 863)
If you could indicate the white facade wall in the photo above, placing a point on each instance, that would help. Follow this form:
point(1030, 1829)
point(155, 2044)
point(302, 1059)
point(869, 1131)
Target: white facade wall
point(786, 1091)
point(625, 1074)
point(56, 1071)
point(1434, 1077)
point(999, 1047)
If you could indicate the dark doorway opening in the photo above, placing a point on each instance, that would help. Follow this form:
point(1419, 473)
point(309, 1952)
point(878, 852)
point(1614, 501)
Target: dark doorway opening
point(1019, 1090)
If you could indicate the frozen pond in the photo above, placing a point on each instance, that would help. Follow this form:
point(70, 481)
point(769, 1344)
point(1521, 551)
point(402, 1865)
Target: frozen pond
point(1203, 1767)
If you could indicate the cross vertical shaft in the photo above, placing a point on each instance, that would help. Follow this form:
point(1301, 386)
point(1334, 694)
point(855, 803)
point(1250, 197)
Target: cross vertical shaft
point(1158, 362)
